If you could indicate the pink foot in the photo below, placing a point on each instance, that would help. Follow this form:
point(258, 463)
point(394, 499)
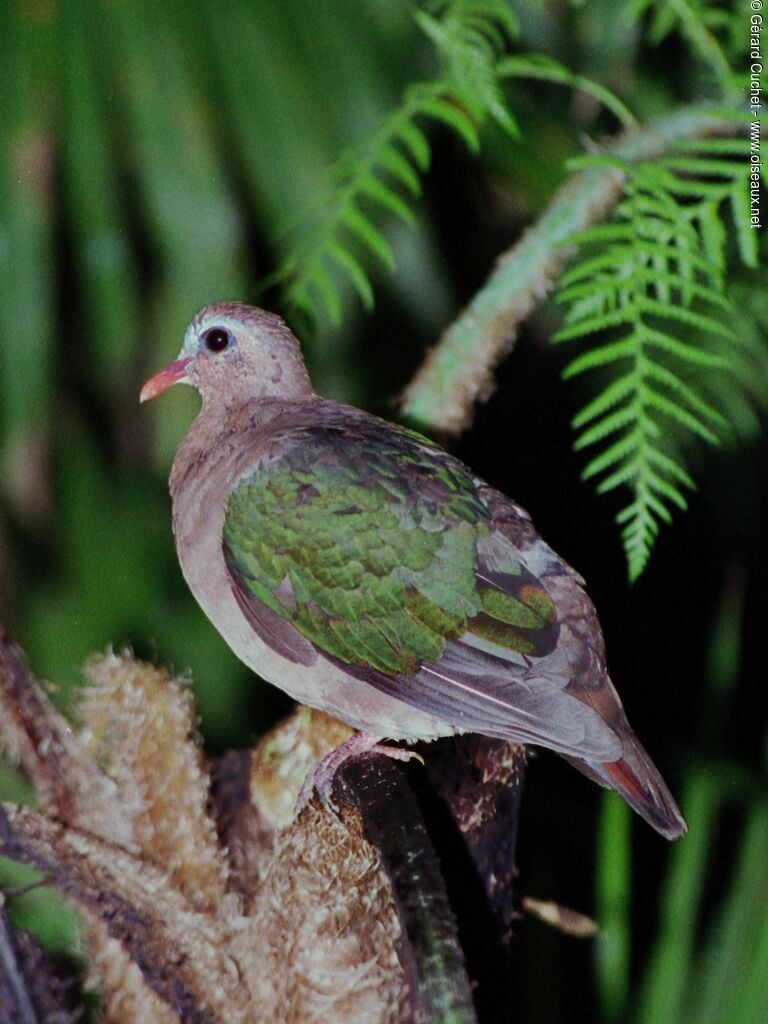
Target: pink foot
point(320, 776)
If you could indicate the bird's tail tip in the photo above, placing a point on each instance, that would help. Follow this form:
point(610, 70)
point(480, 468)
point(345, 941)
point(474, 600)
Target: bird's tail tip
point(635, 778)
point(638, 781)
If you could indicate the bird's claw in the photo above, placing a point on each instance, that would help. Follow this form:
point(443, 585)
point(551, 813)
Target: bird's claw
point(321, 776)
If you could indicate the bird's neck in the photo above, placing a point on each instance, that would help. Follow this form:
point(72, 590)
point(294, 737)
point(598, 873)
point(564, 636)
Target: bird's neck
point(220, 426)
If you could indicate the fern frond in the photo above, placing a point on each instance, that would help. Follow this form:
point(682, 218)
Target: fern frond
point(382, 173)
point(339, 236)
point(649, 287)
point(602, 355)
point(742, 394)
point(544, 68)
point(686, 350)
point(337, 244)
point(470, 36)
point(695, 21)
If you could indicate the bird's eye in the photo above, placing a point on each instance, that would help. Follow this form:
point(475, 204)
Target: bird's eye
point(216, 339)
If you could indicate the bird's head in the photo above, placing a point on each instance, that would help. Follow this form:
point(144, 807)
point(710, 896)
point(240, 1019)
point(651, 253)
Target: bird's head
point(233, 352)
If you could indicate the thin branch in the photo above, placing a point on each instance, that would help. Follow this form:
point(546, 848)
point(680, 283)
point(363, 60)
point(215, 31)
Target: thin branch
point(36, 736)
point(431, 951)
point(459, 370)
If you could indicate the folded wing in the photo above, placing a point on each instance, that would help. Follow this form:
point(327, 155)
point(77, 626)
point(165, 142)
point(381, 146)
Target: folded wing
point(380, 551)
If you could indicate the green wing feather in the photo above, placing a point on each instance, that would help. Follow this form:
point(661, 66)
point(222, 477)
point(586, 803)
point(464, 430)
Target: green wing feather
point(367, 541)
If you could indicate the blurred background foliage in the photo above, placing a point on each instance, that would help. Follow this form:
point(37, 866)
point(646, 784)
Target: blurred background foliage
point(152, 156)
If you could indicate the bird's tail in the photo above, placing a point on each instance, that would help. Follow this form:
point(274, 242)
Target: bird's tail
point(635, 777)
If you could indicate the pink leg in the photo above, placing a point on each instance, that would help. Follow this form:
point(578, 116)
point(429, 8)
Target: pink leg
point(321, 775)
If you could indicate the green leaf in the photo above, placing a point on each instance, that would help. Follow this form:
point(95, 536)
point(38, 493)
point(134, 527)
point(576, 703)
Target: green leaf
point(712, 231)
point(393, 161)
point(613, 884)
point(450, 112)
point(696, 166)
point(360, 225)
point(623, 349)
point(322, 281)
point(387, 198)
point(677, 412)
point(600, 234)
point(658, 483)
point(671, 467)
point(627, 473)
point(593, 324)
point(688, 316)
point(470, 36)
point(654, 279)
point(662, 995)
point(614, 393)
point(354, 271)
point(612, 259)
point(684, 391)
point(607, 425)
point(416, 142)
point(735, 147)
point(670, 252)
point(545, 68)
point(684, 350)
point(618, 452)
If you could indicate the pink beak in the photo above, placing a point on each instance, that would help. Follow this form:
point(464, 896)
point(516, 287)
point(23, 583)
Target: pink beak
point(174, 373)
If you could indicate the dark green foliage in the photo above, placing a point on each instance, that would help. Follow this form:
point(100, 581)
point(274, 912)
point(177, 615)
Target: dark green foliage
point(642, 284)
point(338, 235)
point(698, 21)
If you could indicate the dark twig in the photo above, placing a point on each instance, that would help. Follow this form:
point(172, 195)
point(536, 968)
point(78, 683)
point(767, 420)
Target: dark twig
point(392, 822)
point(480, 779)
